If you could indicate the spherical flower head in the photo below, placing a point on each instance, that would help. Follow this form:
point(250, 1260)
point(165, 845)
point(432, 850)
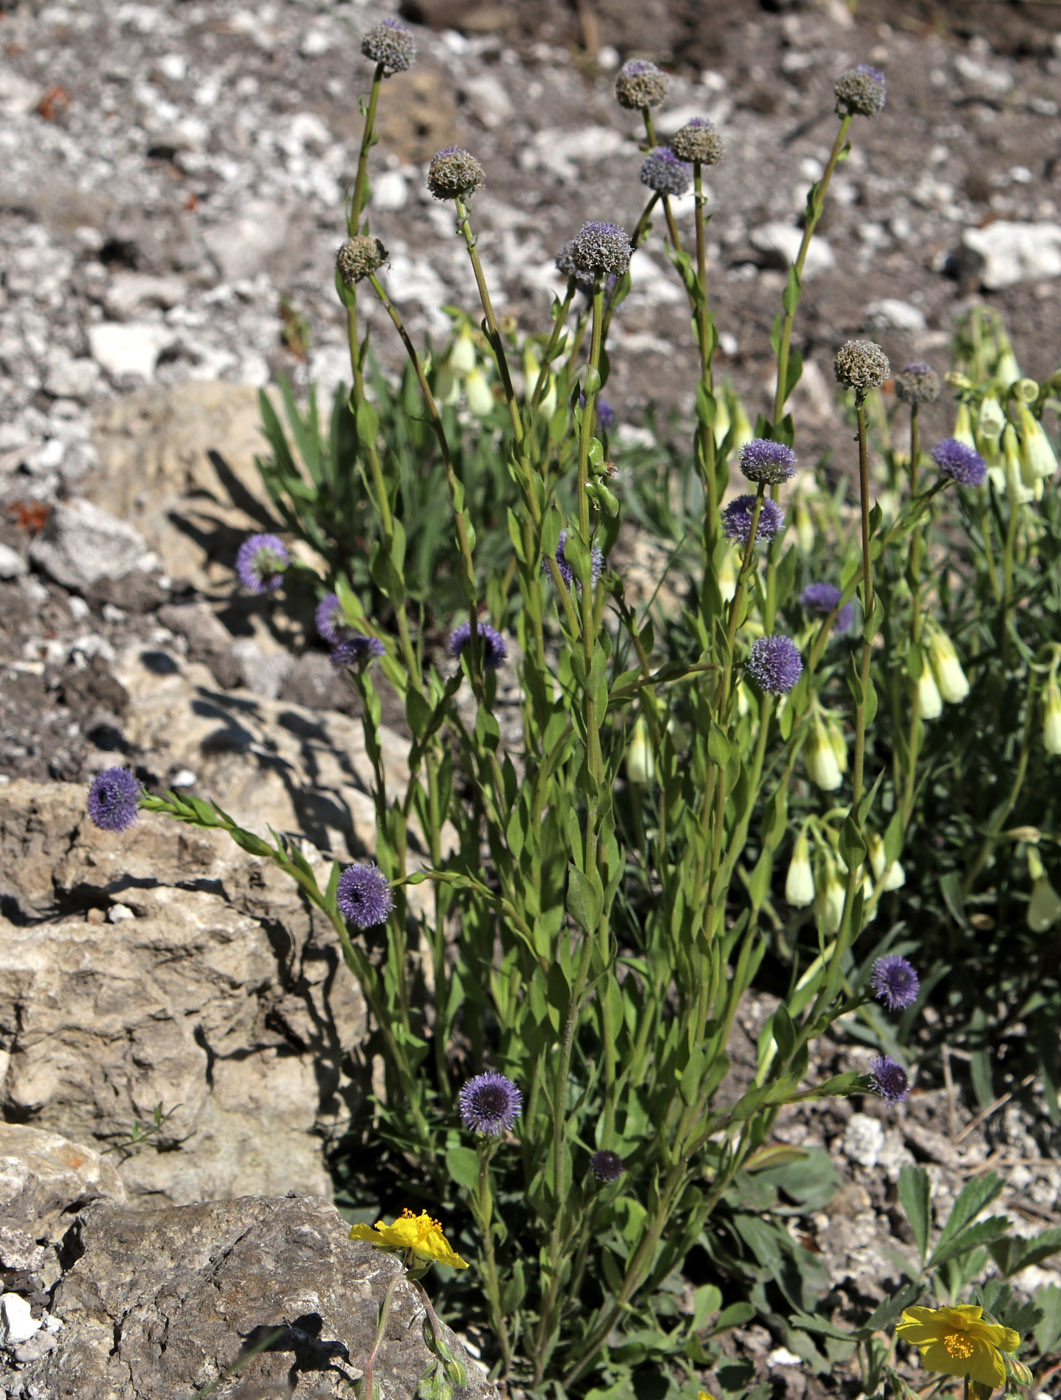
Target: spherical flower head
point(260, 563)
point(821, 598)
point(391, 44)
point(917, 384)
point(763, 460)
point(640, 84)
point(454, 174)
point(364, 896)
point(359, 257)
point(330, 619)
point(606, 1166)
point(698, 141)
point(774, 664)
point(737, 519)
point(894, 982)
point(957, 1342)
point(596, 565)
point(960, 462)
point(489, 1103)
point(494, 649)
point(600, 249)
point(860, 365)
point(114, 799)
point(663, 172)
point(888, 1078)
point(860, 91)
point(355, 650)
point(420, 1235)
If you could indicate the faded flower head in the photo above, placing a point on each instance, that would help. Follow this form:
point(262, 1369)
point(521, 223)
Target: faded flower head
point(566, 571)
point(698, 141)
point(391, 44)
point(821, 598)
point(354, 649)
point(114, 799)
point(860, 91)
point(330, 619)
point(888, 1078)
point(763, 460)
point(663, 172)
point(260, 563)
point(917, 384)
point(606, 1166)
point(364, 896)
point(957, 1342)
point(600, 248)
point(489, 1103)
point(565, 264)
point(454, 174)
point(359, 257)
point(640, 84)
point(417, 1234)
point(894, 982)
point(960, 462)
point(493, 645)
point(860, 365)
point(737, 519)
point(774, 664)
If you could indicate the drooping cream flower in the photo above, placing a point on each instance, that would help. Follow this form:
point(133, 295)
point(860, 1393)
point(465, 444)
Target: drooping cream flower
point(956, 1342)
point(418, 1234)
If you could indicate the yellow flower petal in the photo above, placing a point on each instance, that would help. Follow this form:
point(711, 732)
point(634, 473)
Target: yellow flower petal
point(421, 1234)
point(957, 1342)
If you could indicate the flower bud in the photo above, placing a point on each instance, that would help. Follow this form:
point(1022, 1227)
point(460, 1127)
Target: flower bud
point(947, 669)
point(640, 760)
point(1037, 457)
point(819, 759)
point(835, 731)
point(1017, 489)
point(889, 875)
point(1025, 391)
point(829, 905)
point(929, 700)
point(963, 426)
point(799, 882)
point(461, 358)
point(478, 394)
point(727, 576)
point(1044, 906)
point(1052, 716)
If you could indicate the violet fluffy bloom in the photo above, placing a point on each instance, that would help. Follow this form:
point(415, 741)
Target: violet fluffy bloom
point(261, 561)
point(606, 1166)
point(489, 1103)
point(663, 172)
point(566, 571)
point(894, 982)
point(330, 618)
point(889, 1079)
point(774, 664)
point(821, 598)
point(354, 649)
point(494, 649)
point(763, 460)
point(114, 799)
point(364, 896)
point(737, 519)
point(960, 462)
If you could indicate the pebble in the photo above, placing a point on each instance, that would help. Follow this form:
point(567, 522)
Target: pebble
point(779, 243)
point(1015, 252)
point(132, 348)
point(863, 1139)
point(16, 1320)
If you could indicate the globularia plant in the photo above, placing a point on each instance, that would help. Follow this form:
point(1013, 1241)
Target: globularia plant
point(681, 796)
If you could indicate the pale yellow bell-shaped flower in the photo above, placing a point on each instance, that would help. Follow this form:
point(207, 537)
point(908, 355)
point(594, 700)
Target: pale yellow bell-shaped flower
point(929, 700)
point(478, 395)
point(951, 681)
point(1052, 716)
point(1037, 457)
point(640, 759)
point(799, 882)
point(819, 758)
point(461, 359)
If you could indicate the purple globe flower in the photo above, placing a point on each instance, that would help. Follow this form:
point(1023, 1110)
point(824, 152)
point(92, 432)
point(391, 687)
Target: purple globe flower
point(364, 896)
point(917, 384)
point(489, 1103)
point(390, 44)
point(261, 561)
point(737, 519)
point(894, 982)
point(606, 1166)
point(600, 249)
point(494, 649)
point(763, 460)
point(960, 462)
point(640, 84)
point(355, 650)
point(860, 91)
point(330, 618)
point(698, 140)
point(889, 1079)
point(774, 664)
point(663, 172)
point(114, 799)
point(821, 598)
point(566, 572)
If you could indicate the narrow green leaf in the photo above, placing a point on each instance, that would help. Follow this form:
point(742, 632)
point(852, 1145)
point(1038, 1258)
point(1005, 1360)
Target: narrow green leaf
point(914, 1189)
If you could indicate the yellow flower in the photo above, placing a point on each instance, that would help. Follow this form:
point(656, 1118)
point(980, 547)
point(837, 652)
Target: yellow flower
point(956, 1342)
point(420, 1234)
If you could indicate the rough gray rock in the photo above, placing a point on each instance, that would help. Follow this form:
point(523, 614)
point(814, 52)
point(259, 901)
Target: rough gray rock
point(163, 1301)
point(82, 544)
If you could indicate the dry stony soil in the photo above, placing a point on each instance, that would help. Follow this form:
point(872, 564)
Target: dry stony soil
point(171, 181)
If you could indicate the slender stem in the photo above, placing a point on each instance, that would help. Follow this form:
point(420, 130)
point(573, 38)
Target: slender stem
point(367, 141)
point(668, 212)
